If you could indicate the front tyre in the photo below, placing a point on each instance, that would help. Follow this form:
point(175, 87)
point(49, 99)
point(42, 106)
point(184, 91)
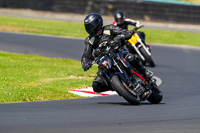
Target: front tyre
point(148, 58)
point(122, 89)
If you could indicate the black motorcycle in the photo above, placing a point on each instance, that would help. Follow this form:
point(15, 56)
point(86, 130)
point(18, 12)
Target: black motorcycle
point(116, 72)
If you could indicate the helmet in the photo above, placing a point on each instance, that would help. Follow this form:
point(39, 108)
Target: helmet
point(119, 17)
point(93, 22)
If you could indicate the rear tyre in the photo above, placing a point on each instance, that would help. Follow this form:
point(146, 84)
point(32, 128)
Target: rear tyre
point(122, 89)
point(147, 57)
point(156, 96)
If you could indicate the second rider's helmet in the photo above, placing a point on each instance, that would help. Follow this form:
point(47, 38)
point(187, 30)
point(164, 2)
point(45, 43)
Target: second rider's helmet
point(119, 17)
point(93, 22)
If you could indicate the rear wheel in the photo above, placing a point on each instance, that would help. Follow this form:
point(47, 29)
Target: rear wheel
point(156, 96)
point(123, 90)
point(147, 57)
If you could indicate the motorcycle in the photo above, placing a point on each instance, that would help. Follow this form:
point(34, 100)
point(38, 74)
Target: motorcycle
point(139, 47)
point(116, 72)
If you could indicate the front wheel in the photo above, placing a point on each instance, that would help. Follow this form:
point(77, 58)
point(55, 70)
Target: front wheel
point(123, 90)
point(148, 58)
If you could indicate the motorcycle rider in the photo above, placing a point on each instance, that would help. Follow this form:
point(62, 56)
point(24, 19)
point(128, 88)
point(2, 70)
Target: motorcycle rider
point(100, 35)
point(123, 22)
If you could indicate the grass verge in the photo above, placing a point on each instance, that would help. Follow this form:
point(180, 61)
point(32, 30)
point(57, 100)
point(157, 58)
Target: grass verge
point(26, 78)
point(172, 37)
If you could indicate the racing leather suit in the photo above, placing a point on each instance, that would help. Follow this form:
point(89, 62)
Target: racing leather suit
point(128, 22)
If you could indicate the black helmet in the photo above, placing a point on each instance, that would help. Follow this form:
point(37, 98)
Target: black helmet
point(119, 17)
point(93, 22)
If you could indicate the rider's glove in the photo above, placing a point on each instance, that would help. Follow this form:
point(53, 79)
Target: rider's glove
point(86, 66)
point(114, 46)
point(138, 24)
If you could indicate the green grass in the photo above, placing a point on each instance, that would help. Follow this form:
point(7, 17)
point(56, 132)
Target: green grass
point(34, 78)
point(72, 29)
point(48, 27)
point(172, 37)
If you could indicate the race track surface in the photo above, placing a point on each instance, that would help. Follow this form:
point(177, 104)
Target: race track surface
point(179, 112)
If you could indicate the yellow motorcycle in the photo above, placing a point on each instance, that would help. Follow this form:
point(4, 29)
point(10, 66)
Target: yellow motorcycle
point(139, 47)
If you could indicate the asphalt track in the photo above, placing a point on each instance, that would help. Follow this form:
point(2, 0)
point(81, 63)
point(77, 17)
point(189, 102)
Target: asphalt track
point(179, 112)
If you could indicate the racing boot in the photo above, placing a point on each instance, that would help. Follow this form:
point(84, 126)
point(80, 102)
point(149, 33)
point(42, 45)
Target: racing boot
point(143, 70)
point(148, 73)
point(136, 62)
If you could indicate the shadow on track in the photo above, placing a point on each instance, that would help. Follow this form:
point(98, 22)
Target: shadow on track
point(127, 104)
